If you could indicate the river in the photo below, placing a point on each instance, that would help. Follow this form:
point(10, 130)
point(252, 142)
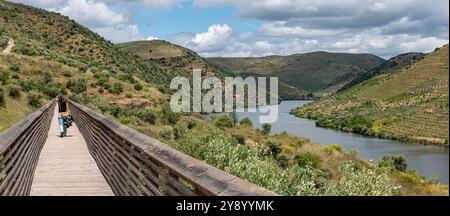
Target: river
point(429, 161)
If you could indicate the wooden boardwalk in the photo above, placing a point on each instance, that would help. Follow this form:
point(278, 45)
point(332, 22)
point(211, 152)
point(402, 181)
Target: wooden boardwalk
point(66, 168)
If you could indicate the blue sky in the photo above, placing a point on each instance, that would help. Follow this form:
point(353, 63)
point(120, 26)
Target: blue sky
point(267, 27)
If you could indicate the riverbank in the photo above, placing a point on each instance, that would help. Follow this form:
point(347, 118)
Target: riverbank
point(428, 160)
point(348, 125)
point(363, 125)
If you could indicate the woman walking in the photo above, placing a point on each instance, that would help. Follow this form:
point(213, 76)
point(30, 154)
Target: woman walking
point(63, 115)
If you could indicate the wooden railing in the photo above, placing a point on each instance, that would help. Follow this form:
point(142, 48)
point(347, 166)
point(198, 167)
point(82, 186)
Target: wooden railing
point(135, 164)
point(20, 147)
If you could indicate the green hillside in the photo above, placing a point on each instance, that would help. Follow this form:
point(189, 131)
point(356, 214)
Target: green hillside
point(53, 55)
point(178, 57)
point(391, 65)
point(408, 104)
point(312, 72)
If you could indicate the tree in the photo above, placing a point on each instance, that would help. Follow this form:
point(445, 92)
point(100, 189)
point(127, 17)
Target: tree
point(397, 162)
point(224, 122)
point(267, 128)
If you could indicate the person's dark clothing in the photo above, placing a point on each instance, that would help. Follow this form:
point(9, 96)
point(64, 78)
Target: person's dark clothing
point(62, 106)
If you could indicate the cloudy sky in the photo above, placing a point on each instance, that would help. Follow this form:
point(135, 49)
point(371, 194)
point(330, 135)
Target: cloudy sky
point(267, 27)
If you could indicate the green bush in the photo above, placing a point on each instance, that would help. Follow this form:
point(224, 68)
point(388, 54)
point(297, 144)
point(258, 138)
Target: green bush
point(270, 148)
point(26, 85)
point(191, 123)
point(148, 116)
point(14, 91)
point(117, 88)
point(239, 138)
point(307, 159)
point(170, 116)
point(246, 122)
point(4, 76)
point(334, 147)
point(15, 68)
point(34, 99)
point(138, 87)
point(397, 162)
point(283, 160)
point(224, 122)
point(116, 110)
point(76, 87)
point(166, 132)
point(267, 128)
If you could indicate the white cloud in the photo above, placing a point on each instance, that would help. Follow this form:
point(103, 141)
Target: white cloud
point(152, 38)
point(279, 29)
point(377, 7)
point(214, 39)
point(93, 14)
point(165, 4)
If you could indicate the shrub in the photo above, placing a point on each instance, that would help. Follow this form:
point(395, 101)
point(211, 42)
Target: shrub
point(283, 160)
point(117, 88)
point(116, 110)
point(171, 117)
point(246, 122)
point(15, 67)
point(307, 159)
point(76, 87)
point(14, 91)
point(191, 123)
point(166, 132)
point(129, 95)
point(148, 116)
point(3, 77)
point(138, 86)
point(397, 162)
point(334, 147)
point(270, 147)
point(239, 138)
point(26, 85)
point(267, 128)
point(34, 99)
point(67, 74)
point(223, 122)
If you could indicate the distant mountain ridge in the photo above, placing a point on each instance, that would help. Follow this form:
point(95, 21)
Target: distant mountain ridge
point(180, 58)
point(311, 72)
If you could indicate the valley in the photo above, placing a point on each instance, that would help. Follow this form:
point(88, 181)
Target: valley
point(129, 82)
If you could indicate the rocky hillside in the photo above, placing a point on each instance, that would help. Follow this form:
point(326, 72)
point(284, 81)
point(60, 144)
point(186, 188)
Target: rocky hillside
point(410, 103)
point(311, 72)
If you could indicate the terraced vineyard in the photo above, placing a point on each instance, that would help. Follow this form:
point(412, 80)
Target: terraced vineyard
point(410, 104)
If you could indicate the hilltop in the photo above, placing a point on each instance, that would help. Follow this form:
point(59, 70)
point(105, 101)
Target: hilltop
point(410, 103)
point(316, 72)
